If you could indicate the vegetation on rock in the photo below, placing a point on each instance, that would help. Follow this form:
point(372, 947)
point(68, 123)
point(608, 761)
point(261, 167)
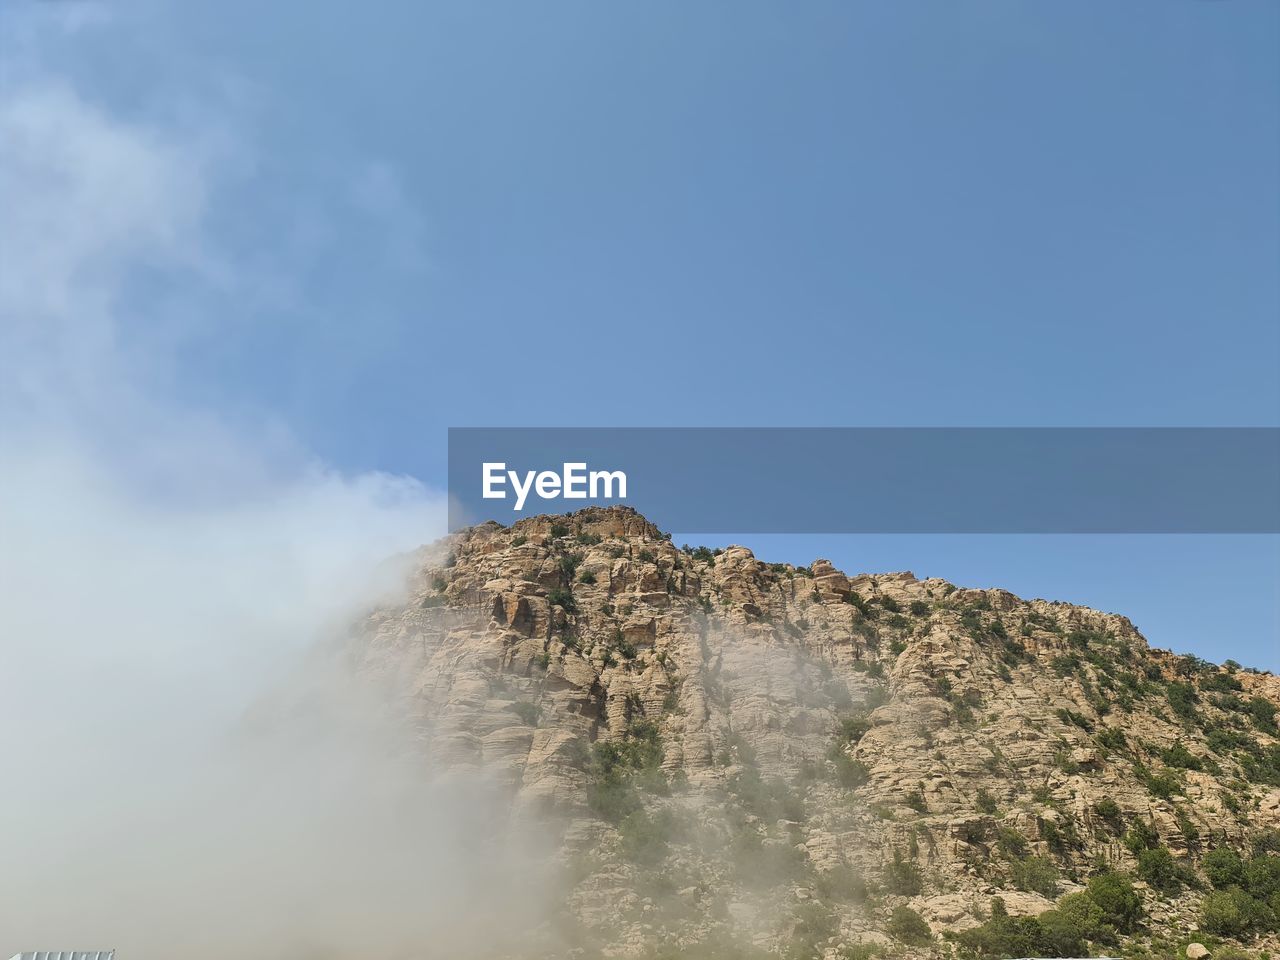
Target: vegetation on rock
point(775, 760)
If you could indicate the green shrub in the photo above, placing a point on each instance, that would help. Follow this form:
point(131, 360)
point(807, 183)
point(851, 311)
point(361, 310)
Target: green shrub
point(1163, 785)
point(1037, 874)
point(1222, 682)
point(1141, 836)
point(1073, 718)
point(527, 712)
point(1180, 757)
point(1111, 738)
point(1224, 867)
point(1108, 811)
point(903, 877)
point(861, 951)
point(812, 924)
point(1082, 638)
point(1066, 930)
point(1262, 876)
point(1011, 843)
point(1268, 841)
point(919, 608)
point(842, 883)
point(1224, 741)
point(645, 838)
point(907, 926)
point(1081, 913)
point(715, 945)
point(1002, 935)
point(857, 599)
point(1190, 832)
point(1263, 714)
point(1065, 665)
point(1063, 931)
point(559, 530)
point(1231, 913)
point(876, 669)
point(769, 800)
point(1061, 836)
point(568, 566)
point(1262, 765)
point(971, 620)
point(1114, 895)
point(1231, 953)
point(849, 773)
point(964, 714)
point(1158, 868)
point(619, 768)
point(562, 598)
point(889, 604)
point(984, 801)
point(1182, 697)
point(852, 729)
point(587, 577)
point(519, 540)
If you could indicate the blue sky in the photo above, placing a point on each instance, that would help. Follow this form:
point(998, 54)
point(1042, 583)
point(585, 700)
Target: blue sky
point(422, 215)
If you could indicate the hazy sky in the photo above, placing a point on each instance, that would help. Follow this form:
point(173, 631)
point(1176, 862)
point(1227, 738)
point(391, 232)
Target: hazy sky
point(415, 215)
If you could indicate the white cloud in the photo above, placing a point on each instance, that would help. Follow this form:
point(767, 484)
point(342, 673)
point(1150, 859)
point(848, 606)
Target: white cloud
point(88, 202)
point(165, 569)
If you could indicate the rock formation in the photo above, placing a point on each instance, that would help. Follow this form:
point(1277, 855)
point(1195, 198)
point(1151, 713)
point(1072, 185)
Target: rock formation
point(743, 756)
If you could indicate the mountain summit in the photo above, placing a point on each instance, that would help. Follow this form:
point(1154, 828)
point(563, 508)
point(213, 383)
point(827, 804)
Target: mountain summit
point(744, 758)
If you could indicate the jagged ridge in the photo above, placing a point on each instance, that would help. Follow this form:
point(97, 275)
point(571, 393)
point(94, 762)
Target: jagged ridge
point(742, 752)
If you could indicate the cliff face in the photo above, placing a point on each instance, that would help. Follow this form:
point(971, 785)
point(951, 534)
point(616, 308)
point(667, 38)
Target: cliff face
point(743, 755)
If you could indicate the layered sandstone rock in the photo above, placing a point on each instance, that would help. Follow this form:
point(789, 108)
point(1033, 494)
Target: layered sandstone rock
point(829, 746)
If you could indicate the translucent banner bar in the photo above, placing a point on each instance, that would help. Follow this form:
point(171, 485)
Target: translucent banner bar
point(878, 480)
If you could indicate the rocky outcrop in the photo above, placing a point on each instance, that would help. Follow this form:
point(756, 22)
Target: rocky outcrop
point(781, 755)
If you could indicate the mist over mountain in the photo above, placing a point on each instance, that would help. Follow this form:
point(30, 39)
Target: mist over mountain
point(738, 758)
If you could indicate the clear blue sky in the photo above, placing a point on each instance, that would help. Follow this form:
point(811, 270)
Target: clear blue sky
point(743, 213)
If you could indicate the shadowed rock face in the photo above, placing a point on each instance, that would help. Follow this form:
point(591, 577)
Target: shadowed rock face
point(749, 753)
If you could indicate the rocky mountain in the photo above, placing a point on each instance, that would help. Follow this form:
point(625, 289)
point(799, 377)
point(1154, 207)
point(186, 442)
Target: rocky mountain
point(740, 758)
